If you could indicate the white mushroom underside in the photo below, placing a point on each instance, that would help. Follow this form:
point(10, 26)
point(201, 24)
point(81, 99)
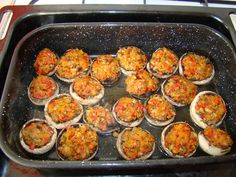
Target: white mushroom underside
point(195, 117)
point(209, 148)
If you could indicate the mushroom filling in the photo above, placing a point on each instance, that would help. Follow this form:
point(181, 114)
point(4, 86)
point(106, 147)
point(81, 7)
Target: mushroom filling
point(78, 143)
point(100, 117)
point(45, 62)
point(74, 63)
point(158, 108)
point(129, 109)
point(105, 68)
point(137, 143)
point(141, 83)
point(42, 87)
point(37, 134)
point(181, 140)
point(210, 108)
point(180, 89)
point(63, 109)
point(164, 61)
point(131, 58)
point(86, 87)
point(218, 137)
point(196, 67)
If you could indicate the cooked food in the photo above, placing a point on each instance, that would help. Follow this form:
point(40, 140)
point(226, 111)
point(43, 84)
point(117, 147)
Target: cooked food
point(106, 69)
point(41, 89)
point(179, 140)
point(215, 141)
point(62, 111)
point(86, 90)
point(128, 111)
point(178, 90)
point(164, 63)
point(77, 142)
point(196, 68)
point(141, 84)
point(37, 136)
point(100, 119)
point(135, 144)
point(46, 62)
point(131, 59)
point(159, 111)
point(72, 64)
point(208, 108)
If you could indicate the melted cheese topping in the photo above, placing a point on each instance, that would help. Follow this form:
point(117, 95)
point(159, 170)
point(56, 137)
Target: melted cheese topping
point(129, 109)
point(74, 63)
point(131, 58)
point(196, 67)
point(45, 62)
point(181, 140)
point(159, 108)
point(210, 108)
point(164, 61)
point(37, 134)
point(218, 137)
point(86, 87)
point(137, 143)
point(180, 89)
point(78, 143)
point(105, 68)
point(100, 117)
point(42, 87)
point(63, 109)
point(141, 82)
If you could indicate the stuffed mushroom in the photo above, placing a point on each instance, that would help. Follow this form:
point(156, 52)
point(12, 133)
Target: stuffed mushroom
point(135, 144)
point(37, 136)
point(128, 111)
point(163, 63)
point(62, 111)
point(131, 59)
point(196, 68)
point(87, 90)
point(42, 89)
point(207, 109)
point(215, 141)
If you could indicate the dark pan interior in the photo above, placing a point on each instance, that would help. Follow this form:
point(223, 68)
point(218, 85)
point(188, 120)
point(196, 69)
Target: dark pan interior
point(106, 38)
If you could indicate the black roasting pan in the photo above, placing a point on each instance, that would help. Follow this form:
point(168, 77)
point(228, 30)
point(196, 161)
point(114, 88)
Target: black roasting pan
point(102, 37)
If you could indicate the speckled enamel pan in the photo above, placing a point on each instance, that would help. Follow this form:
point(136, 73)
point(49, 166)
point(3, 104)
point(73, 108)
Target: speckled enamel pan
point(121, 152)
point(58, 144)
point(65, 124)
point(195, 117)
point(43, 149)
point(197, 82)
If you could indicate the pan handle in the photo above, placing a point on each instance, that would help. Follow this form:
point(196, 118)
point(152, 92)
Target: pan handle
point(5, 22)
